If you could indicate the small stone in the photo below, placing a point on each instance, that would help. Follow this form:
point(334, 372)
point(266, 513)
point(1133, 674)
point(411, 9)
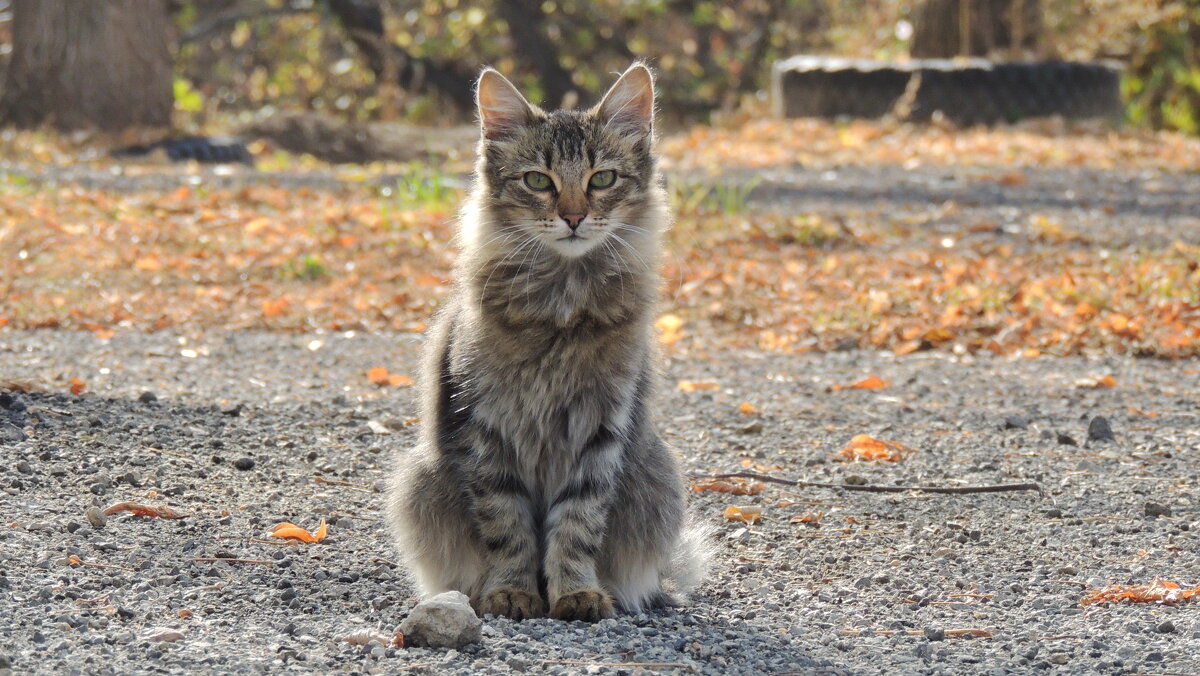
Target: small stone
point(856, 480)
point(1154, 509)
point(755, 427)
point(24, 467)
point(1014, 422)
point(1065, 439)
point(161, 635)
point(234, 411)
point(446, 620)
point(1068, 570)
point(935, 634)
point(1155, 656)
point(378, 427)
point(1100, 430)
point(1058, 658)
point(1054, 513)
point(148, 397)
point(1167, 627)
point(96, 517)
point(244, 464)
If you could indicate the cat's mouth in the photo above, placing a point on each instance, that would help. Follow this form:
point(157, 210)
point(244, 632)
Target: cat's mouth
point(570, 238)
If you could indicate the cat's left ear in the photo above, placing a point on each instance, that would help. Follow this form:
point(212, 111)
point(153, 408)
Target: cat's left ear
point(629, 104)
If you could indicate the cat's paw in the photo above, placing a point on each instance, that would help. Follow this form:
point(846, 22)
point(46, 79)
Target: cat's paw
point(518, 604)
point(589, 605)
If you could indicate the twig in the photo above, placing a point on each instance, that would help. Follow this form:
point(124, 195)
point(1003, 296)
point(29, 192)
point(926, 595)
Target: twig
point(646, 665)
point(337, 482)
point(227, 560)
point(866, 488)
point(1056, 638)
point(170, 453)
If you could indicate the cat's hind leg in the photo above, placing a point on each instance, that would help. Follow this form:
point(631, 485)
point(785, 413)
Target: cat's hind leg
point(429, 517)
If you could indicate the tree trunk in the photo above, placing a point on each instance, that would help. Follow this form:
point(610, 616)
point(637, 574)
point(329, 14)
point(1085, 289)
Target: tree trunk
point(989, 27)
point(81, 64)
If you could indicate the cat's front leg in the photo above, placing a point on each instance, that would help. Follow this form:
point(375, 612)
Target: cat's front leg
point(504, 517)
point(575, 528)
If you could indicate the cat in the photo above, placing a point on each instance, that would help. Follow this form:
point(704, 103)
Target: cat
point(539, 482)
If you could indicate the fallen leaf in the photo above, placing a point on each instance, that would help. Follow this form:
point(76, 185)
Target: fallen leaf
point(1096, 383)
point(1158, 591)
point(864, 447)
point(377, 375)
point(746, 514)
point(811, 517)
point(735, 487)
point(746, 408)
point(694, 385)
point(161, 512)
point(77, 386)
point(397, 380)
point(366, 636)
point(291, 531)
point(670, 328)
point(872, 382)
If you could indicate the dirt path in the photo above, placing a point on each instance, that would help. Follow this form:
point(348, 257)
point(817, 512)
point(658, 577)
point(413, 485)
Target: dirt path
point(881, 583)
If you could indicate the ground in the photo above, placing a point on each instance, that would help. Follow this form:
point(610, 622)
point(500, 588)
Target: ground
point(241, 424)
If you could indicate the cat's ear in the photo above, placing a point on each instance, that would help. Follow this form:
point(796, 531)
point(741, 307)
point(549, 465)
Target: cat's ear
point(502, 109)
point(629, 104)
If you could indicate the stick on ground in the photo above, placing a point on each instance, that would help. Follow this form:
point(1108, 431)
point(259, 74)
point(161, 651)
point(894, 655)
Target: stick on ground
point(866, 488)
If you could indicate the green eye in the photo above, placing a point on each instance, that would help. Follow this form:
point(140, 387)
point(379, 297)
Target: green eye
point(536, 180)
point(603, 179)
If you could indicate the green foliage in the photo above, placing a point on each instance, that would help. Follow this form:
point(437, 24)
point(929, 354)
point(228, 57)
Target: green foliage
point(309, 267)
point(1162, 85)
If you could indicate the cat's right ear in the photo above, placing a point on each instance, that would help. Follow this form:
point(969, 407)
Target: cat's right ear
point(502, 109)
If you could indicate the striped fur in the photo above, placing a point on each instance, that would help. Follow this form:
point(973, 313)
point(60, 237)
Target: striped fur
point(539, 484)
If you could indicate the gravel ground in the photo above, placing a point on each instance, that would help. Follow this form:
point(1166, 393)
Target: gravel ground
point(236, 426)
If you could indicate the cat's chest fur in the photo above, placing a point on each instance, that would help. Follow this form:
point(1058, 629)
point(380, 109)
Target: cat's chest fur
point(548, 391)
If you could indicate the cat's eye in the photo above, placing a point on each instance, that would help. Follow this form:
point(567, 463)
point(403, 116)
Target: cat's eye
point(603, 179)
point(536, 180)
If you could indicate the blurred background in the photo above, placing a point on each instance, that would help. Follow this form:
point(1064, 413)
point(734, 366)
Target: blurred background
point(207, 64)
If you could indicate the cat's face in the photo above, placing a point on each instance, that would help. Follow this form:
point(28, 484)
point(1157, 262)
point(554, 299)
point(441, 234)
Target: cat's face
point(569, 182)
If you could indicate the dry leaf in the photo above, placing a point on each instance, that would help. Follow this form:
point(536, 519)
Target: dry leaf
point(397, 380)
point(734, 487)
point(161, 512)
point(872, 382)
point(670, 328)
point(864, 447)
point(811, 517)
point(77, 386)
point(746, 514)
point(746, 408)
point(694, 385)
point(1158, 591)
point(377, 375)
point(291, 531)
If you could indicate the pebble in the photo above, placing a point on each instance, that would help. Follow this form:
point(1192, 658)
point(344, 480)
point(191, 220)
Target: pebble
point(244, 464)
point(1167, 627)
point(1154, 509)
point(1065, 439)
point(1100, 430)
point(148, 397)
point(444, 621)
point(95, 517)
point(1014, 422)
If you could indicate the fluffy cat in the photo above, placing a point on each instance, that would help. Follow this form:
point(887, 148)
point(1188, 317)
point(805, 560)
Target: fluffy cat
point(539, 482)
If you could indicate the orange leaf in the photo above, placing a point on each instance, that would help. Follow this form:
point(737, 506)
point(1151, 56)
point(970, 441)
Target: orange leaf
point(149, 264)
point(274, 308)
point(1106, 381)
point(694, 385)
point(670, 328)
point(77, 386)
point(871, 382)
point(397, 380)
point(377, 375)
point(161, 512)
point(864, 447)
point(291, 531)
point(811, 517)
point(1158, 591)
point(735, 487)
point(746, 408)
point(746, 514)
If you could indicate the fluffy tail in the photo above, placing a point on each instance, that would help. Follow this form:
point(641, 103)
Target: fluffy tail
point(692, 557)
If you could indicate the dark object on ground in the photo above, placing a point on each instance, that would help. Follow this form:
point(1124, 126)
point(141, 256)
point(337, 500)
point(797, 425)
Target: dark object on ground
point(974, 91)
point(1014, 422)
point(244, 464)
point(334, 140)
point(1154, 509)
point(212, 149)
point(1066, 439)
point(1100, 430)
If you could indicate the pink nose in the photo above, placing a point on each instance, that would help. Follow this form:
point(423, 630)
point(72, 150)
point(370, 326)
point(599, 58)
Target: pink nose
point(573, 219)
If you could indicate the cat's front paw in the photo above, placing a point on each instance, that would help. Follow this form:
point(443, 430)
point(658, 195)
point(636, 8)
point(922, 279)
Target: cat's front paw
point(519, 604)
point(589, 605)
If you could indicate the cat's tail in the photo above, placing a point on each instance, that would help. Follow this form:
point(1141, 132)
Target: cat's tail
point(692, 558)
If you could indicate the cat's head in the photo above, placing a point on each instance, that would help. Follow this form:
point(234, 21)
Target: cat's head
point(568, 180)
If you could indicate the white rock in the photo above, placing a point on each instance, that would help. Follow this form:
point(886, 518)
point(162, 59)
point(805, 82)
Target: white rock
point(444, 621)
point(161, 635)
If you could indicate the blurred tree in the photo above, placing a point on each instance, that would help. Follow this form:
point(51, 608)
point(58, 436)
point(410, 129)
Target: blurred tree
point(89, 64)
point(1162, 84)
point(947, 28)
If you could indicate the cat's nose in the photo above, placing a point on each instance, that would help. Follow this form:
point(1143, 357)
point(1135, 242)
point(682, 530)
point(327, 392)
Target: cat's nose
point(573, 218)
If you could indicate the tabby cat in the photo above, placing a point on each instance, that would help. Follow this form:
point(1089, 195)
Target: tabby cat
point(539, 482)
